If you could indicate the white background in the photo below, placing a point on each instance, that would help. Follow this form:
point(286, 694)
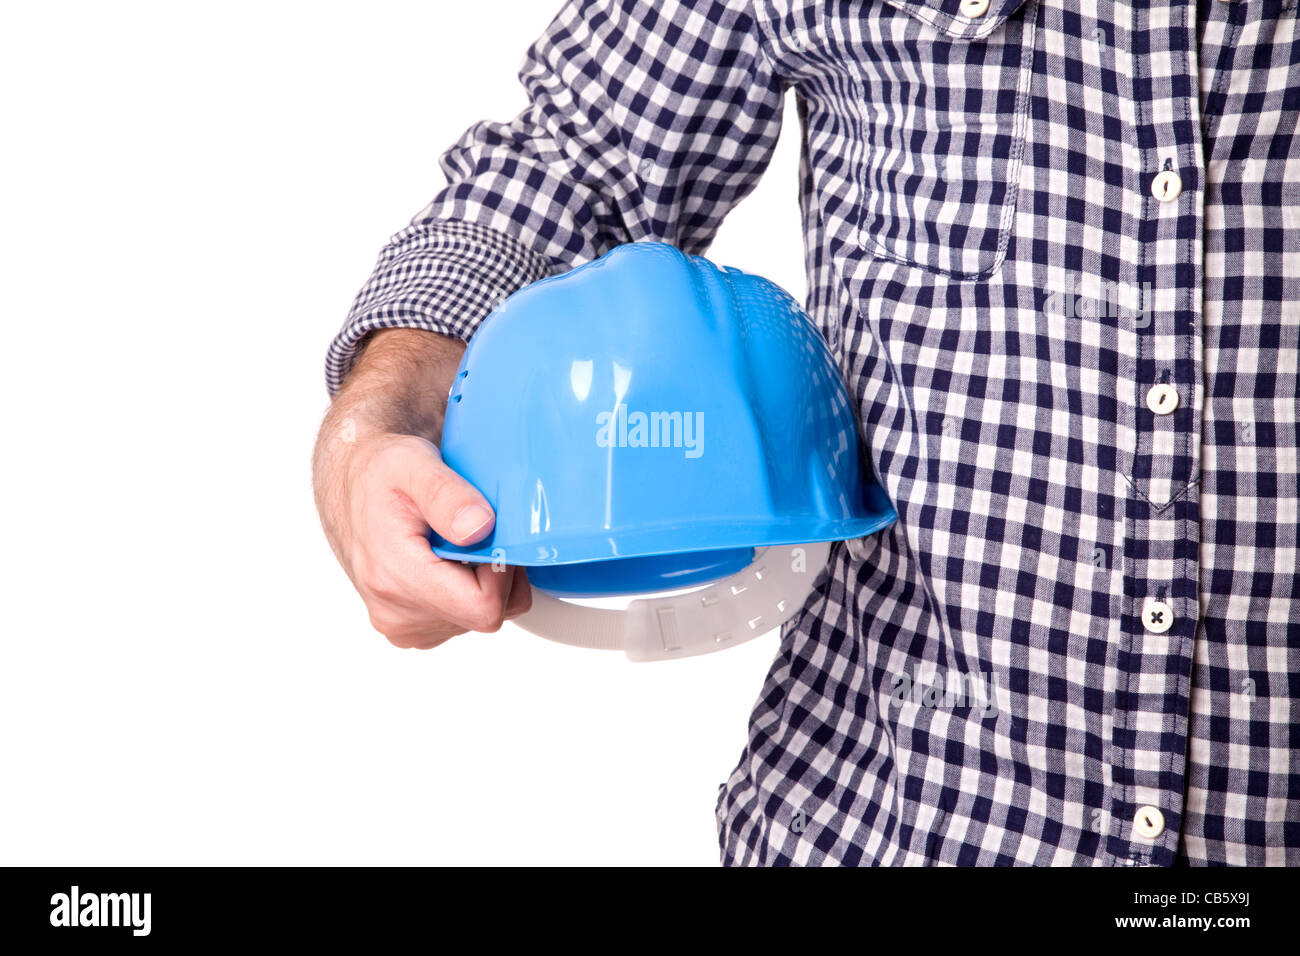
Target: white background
point(191, 196)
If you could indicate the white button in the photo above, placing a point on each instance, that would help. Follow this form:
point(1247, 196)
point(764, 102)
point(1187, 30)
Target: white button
point(1167, 185)
point(1162, 399)
point(1157, 617)
point(974, 8)
point(1149, 823)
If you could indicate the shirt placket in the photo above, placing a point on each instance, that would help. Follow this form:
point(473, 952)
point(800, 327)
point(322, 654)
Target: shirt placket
point(1161, 528)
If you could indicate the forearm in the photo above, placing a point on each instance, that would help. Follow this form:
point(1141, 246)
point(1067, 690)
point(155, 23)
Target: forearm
point(399, 384)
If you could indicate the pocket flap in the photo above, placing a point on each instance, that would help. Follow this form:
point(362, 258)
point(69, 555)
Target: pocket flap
point(946, 16)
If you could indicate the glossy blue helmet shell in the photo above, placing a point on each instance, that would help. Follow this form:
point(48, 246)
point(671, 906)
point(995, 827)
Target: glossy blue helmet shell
point(645, 420)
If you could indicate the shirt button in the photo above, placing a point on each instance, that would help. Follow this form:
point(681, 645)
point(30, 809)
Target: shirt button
point(974, 8)
point(1157, 616)
point(1149, 823)
point(1162, 399)
point(1167, 185)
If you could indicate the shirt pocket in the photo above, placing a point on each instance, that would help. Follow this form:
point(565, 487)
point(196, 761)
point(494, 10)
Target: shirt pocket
point(943, 126)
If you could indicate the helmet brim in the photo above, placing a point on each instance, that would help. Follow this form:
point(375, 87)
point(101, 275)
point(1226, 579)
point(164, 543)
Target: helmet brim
point(653, 540)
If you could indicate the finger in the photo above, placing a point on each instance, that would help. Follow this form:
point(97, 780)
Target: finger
point(401, 630)
point(520, 598)
point(452, 506)
point(495, 582)
point(431, 589)
point(395, 569)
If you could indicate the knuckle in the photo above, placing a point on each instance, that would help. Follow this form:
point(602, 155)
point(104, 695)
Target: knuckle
point(439, 485)
point(420, 638)
point(388, 625)
point(405, 631)
point(400, 460)
point(376, 580)
point(404, 447)
point(487, 615)
point(362, 566)
point(412, 444)
point(381, 584)
point(432, 638)
point(373, 462)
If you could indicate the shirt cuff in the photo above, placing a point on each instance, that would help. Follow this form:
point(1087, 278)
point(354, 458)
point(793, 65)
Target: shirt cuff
point(442, 276)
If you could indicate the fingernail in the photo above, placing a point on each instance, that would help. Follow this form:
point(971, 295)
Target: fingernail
point(468, 521)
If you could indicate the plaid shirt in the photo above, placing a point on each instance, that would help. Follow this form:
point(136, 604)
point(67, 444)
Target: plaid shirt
point(1057, 255)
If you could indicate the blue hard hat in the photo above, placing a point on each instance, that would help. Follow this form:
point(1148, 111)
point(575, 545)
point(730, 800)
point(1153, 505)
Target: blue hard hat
point(646, 420)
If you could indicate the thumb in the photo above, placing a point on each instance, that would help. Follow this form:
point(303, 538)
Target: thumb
point(451, 505)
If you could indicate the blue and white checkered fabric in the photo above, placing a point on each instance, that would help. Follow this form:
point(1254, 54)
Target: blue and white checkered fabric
point(1058, 257)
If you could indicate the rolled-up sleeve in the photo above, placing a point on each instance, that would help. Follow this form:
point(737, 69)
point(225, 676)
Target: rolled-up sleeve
point(646, 119)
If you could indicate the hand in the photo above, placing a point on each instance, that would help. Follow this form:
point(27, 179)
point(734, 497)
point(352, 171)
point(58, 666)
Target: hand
point(381, 485)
